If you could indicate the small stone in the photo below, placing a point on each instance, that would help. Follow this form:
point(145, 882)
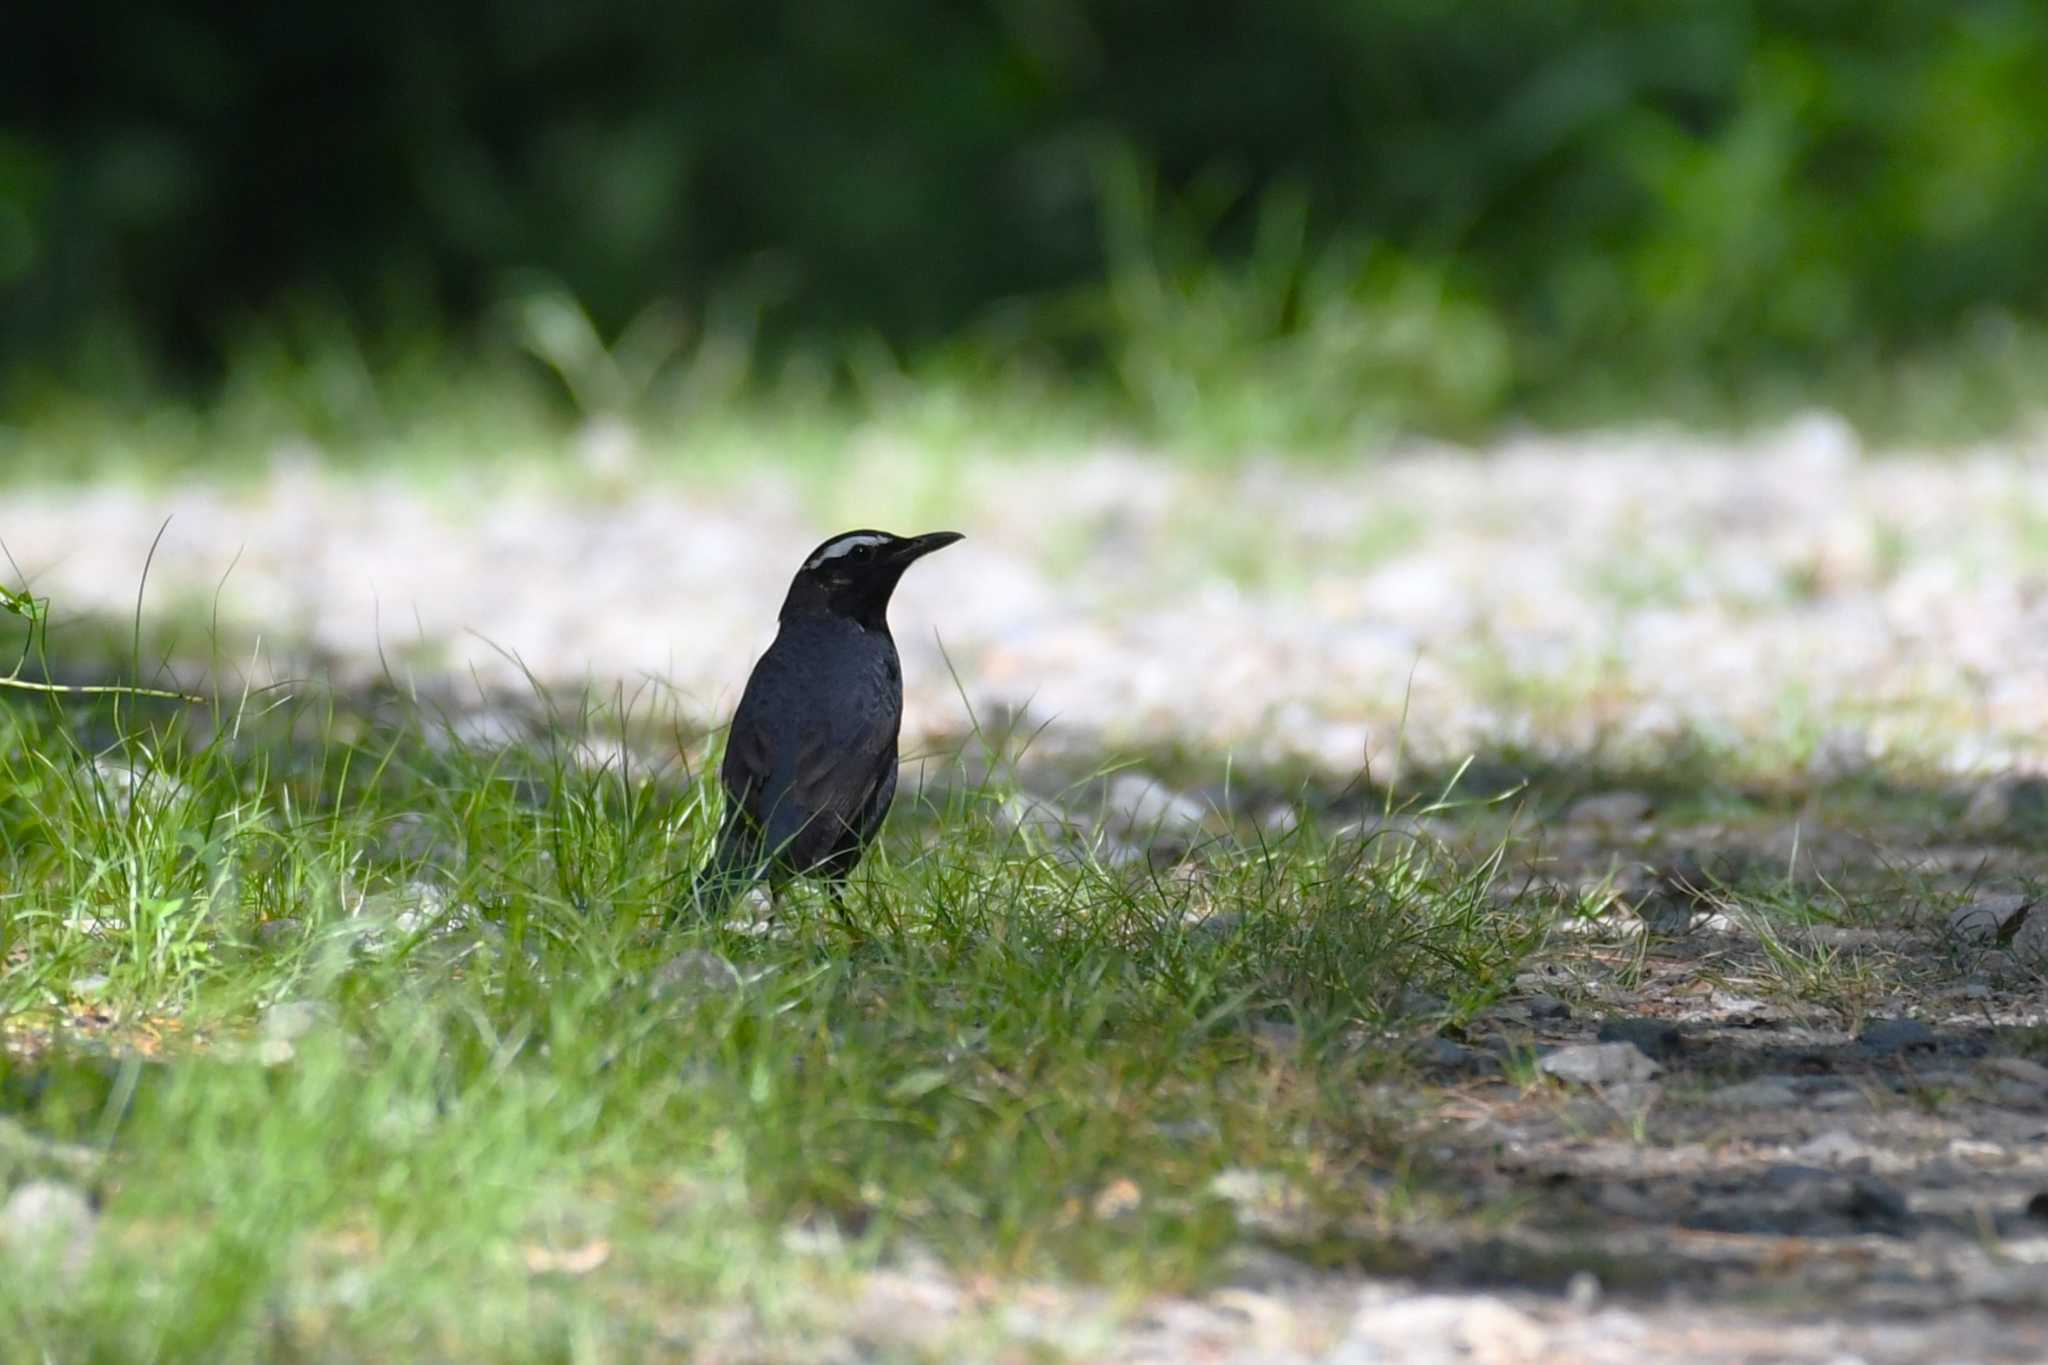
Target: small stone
point(1446, 1327)
point(125, 786)
point(1137, 807)
point(2007, 804)
point(1611, 809)
point(1976, 1152)
point(1992, 919)
point(1415, 1000)
point(1895, 1035)
point(48, 1226)
point(1547, 1007)
point(1218, 925)
point(1786, 1174)
point(1656, 1038)
point(2037, 1207)
point(1599, 1064)
point(1266, 1202)
point(1444, 1055)
point(276, 933)
point(1834, 1148)
point(1873, 1201)
point(2021, 1069)
point(91, 984)
point(484, 730)
point(1667, 915)
point(1762, 1093)
point(287, 1021)
point(1037, 819)
point(694, 974)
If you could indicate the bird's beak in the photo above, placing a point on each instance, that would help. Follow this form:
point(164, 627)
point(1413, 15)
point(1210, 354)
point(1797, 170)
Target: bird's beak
point(917, 547)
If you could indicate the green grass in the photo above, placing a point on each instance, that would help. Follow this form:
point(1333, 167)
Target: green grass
point(1329, 354)
point(358, 1035)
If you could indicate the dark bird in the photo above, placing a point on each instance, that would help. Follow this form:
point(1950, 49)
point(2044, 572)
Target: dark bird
point(810, 762)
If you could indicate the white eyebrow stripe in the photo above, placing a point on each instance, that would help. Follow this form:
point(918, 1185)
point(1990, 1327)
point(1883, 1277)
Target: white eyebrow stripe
point(840, 547)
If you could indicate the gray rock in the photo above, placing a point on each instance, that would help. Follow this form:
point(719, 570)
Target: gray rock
point(694, 974)
point(47, 1227)
point(1667, 915)
point(1267, 1202)
point(1656, 1038)
point(1765, 1092)
point(1895, 1035)
point(1601, 1064)
point(1415, 1000)
point(1871, 1200)
point(1136, 807)
point(1611, 809)
point(2007, 804)
point(288, 1021)
point(1440, 1329)
point(1834, 1148)
point(123, 787)
point(414, 837)
point(1037, 819)
point(1218, 926)
point(277, 933)
point(2021, 1069)
point(1991, 919)
point(1547, 1007)
point(488, 729)
point(1442, 1054)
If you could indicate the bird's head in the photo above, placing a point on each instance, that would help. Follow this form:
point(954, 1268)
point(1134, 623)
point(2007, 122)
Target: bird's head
point(853, 573)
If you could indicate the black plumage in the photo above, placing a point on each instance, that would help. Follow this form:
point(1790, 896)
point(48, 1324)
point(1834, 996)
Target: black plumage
point(810, 762)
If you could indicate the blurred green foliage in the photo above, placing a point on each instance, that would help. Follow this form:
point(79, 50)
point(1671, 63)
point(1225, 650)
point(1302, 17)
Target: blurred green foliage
point(1403, 214)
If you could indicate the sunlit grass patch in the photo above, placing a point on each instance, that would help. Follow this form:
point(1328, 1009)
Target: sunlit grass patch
point(445, 1075)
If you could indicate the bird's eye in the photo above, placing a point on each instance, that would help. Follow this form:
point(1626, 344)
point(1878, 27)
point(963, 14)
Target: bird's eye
point(863, 551)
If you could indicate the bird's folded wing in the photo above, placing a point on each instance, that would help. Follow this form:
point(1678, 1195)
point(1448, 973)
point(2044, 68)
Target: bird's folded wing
point(835, 777)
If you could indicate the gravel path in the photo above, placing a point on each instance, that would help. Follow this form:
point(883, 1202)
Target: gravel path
point(1554, 593)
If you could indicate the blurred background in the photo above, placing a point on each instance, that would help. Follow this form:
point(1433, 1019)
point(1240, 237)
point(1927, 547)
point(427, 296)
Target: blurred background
point(1521, 361)
point(1299, 224)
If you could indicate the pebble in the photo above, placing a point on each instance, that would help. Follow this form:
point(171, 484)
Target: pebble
point(1992, 919)
point(1444, 1055)
point(1657, 1038)
point(1896, 1035)
point(2008, 804)
point(1762, 1093)
point(2021, 1069)
point(123, 786)
point(1266, 1202)
point(1141, 809)
point(1872, 1200)
point(1611, 809)
point(694, 974)
point(277, 933)
point(1599, 1064)
point(288, 1021)
point(1834, 1148)
point(47, 1226)
point(1543, 1008)
point(1440, 1329)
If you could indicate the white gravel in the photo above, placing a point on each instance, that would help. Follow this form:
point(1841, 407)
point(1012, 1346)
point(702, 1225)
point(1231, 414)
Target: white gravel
point(1556, 592)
